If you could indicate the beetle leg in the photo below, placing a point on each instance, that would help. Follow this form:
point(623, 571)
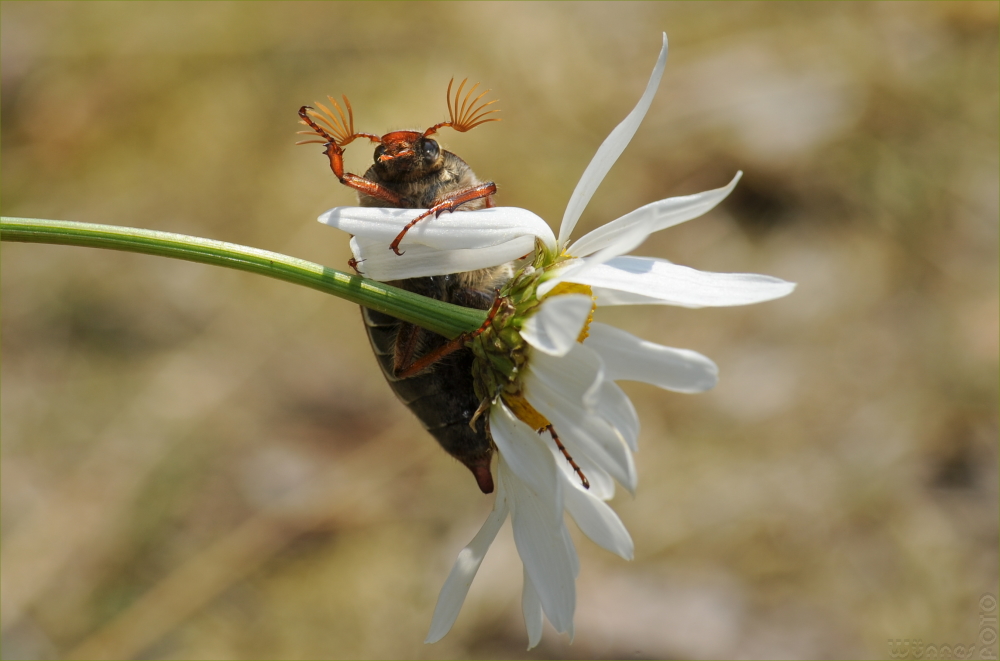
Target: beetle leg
point(407, 340)
point(429, 358)
point(562, 448)
point(450, 347)
point(450, 203)
point(370, 188)
point(336, 155)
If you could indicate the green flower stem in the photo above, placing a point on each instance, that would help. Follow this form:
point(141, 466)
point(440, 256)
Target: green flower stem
point(443, 318)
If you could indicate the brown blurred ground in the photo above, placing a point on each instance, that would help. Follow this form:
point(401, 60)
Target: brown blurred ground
point(199, 463)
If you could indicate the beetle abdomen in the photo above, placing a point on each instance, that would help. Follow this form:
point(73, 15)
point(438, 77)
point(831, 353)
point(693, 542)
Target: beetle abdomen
point(442, 396)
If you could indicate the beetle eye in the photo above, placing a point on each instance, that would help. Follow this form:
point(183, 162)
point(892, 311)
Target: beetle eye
point(431, 149)
point(379, 152)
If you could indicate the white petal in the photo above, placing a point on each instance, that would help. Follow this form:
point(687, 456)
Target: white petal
point(626, 233)
point(630, 358)
point(574, 559)
point(527, 456)
point(558, 274)
point(607, 297)
point(542, 547)
point(610, 150)
point(566, 391)
point(585, 434)
point(602, 485)
point(456, 586)
point(576, 376)
point(557, 324)
point(574, 565)
point(377, 261)
point(659, 281)
point(449, 231)
point(531, 606)
point(614, 406)
point(597, 520)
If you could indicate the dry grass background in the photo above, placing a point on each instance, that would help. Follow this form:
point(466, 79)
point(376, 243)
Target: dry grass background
point(200, 463)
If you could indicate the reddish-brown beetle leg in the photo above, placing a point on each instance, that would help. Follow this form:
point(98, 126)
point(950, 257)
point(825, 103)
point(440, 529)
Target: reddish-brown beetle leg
point(562, 448)
point(450, 347)
point(450, 203)
point(370, 188)
point(335, 153)
point(336, 156)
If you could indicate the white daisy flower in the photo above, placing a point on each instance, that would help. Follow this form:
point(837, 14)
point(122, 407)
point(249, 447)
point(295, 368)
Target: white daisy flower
point(566, 384)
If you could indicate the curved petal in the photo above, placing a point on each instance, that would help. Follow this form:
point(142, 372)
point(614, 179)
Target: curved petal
point(449, 231)
point(659, 281)
point(597, 520)
point(607, 297)
point(574, 565)
point(542, 547)
point(556, 326)
point(583, 433)
point(610, 150)
point(456, 586)
point(602, 485)
point(574, 560)
point(531, 606)
point(527, 456)
point(557, 274)
point(566, 391)
point(614, 406)
point(630, 358)
point(577, 375)
point(376, 261)
point(626, 233)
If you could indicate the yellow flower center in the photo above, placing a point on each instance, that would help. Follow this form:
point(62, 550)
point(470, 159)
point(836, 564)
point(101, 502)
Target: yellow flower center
point(574, 288)
point(518, 405)
point(525, 412)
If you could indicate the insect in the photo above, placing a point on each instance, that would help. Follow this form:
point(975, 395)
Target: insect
point(412, 171)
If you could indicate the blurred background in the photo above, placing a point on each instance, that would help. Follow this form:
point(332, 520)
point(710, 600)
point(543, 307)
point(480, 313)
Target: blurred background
point(201, 463)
